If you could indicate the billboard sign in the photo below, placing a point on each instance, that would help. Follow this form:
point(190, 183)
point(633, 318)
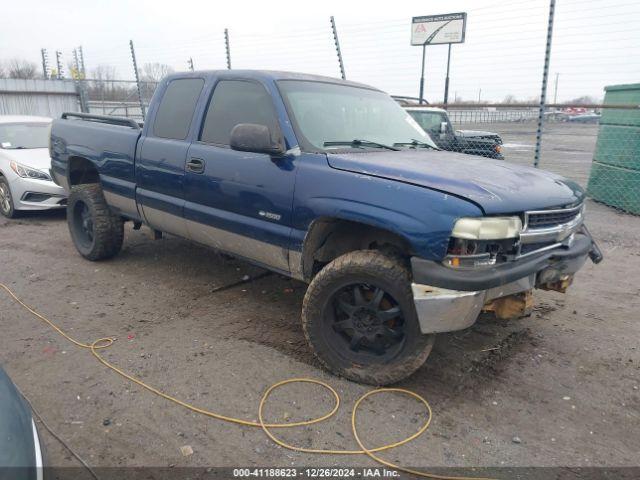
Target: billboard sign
point(438, 29)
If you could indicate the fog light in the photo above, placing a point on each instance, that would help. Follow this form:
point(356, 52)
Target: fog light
point(470, 261)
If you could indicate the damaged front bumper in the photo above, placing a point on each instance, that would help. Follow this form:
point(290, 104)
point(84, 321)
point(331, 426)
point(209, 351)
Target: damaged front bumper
point(448, 299)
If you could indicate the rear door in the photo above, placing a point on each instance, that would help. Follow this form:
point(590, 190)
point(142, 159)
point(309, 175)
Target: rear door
point(239, 202)
point(160, 165)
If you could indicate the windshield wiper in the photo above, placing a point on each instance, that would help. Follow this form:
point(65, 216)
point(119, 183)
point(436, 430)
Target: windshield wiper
point(357, 142)
point(416, 143)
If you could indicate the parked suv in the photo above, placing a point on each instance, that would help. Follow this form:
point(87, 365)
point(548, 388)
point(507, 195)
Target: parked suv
point(435, 121)
point(332, 183)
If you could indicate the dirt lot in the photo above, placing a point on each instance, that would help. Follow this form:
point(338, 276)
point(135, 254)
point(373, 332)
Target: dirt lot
point(564, 381)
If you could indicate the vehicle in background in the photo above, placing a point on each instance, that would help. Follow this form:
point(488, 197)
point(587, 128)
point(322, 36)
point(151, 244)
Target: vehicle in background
point(436, 122)
point(21, 453)
point(25, 179)
point(330, 182)
point(592, 118)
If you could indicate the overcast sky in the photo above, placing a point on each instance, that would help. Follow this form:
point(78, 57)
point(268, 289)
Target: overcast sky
point(596, 43)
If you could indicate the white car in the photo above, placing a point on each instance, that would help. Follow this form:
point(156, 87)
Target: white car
point(25, 181)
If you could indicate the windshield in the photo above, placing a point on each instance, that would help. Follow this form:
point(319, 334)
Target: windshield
point(24, 135)
point(429, 121)
point(326, 113)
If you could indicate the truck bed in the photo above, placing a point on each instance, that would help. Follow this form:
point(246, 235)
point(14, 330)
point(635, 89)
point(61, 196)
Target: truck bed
point(109, 142)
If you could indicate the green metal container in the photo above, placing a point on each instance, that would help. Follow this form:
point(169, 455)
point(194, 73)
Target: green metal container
point(615, 171)
point(615, 186)
point(621, 95)
point(618, 145)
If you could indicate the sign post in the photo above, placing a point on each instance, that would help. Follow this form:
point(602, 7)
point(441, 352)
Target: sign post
point(437, 30)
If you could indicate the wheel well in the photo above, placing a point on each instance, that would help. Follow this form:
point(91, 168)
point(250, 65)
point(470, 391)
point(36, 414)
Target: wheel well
point(82, 171)
point(329, 238)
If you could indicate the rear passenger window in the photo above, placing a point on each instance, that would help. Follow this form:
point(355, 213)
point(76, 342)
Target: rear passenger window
point(234, 102)
point(176, 108)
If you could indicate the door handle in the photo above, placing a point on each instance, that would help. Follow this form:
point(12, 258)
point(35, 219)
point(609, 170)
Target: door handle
point(195, 165)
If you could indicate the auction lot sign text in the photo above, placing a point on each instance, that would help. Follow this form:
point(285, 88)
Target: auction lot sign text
point(438, 29)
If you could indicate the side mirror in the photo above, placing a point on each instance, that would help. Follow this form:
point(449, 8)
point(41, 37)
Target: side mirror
point(443, 127)
point(251, 137)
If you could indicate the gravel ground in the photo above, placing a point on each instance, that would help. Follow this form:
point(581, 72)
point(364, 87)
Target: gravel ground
point(563, 381)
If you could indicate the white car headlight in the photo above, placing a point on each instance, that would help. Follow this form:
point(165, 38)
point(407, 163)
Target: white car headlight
point(487, 228)
point(27, 172)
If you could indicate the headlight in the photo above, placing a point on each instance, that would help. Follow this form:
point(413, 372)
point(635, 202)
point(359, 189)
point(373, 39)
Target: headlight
point(487, 228)
point(482, 242)
point(27, 172)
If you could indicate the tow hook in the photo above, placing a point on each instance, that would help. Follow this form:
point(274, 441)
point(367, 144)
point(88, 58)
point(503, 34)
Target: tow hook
point(595, 254)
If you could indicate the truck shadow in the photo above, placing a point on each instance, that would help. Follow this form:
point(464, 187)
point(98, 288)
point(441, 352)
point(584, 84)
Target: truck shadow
point(266, 311)
point(460, 361)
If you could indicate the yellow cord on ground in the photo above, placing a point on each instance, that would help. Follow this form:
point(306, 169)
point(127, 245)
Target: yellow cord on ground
point(103, 343)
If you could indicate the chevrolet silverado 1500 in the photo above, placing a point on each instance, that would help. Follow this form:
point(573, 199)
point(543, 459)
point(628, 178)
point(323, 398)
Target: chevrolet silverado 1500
point(333, 183)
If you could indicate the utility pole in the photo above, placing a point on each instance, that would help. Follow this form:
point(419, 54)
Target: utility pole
point(446, 80)
point(338, 51)
point(227, 48)
point(59, 64)
point(190, 63)
point(81, 61)
point(545, 77)
point(76, 65)
point(479, 94)
point(135, 71)
point(45, 63)
point(555, 90)
point(424, 54)
point(78, 76)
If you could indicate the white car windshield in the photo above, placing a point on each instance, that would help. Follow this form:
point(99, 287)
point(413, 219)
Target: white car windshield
point(331, 116)
point(24, 135)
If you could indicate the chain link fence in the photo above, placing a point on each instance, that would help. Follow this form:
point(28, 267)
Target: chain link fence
point(494, 109)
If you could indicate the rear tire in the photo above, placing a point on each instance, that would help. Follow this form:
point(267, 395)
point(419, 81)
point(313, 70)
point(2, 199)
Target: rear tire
point(360, 321)
point(6, 200)
point(96, 232)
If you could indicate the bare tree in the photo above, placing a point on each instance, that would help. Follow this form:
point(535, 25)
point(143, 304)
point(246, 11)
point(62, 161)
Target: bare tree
point(104, 73)
point(3, 73)
point(584, 100)
point(104, 84)
point(151, 74)
point(154, 72)
point(20, 68)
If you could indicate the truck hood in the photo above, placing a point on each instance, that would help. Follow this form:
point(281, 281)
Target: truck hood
point(37, 158)
point(497, 187)
point(476, 133)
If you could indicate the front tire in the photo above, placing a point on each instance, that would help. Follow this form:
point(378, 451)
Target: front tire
point(6, 200)
point(360, 321)
point(96, 232)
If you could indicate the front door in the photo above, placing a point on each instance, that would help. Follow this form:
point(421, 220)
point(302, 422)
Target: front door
point(239, 202)
point(160, 163)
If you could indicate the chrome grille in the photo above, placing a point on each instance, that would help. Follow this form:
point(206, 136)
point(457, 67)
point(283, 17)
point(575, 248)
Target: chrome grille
point(548, 229)
point(552, 219)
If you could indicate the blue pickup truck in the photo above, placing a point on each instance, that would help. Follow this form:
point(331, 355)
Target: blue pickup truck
point(330, 182)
